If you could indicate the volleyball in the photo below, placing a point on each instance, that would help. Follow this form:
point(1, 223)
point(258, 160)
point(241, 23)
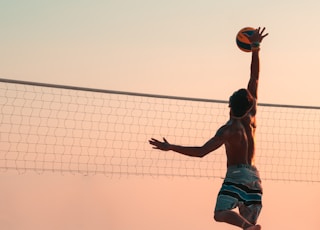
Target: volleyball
point(242, 41)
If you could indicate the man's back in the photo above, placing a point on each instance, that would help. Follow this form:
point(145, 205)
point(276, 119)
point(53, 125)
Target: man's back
point(239, 141)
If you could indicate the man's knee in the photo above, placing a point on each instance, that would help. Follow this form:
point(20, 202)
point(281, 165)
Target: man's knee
point(219, 216)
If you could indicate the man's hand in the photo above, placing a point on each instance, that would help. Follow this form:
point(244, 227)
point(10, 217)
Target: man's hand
point(165, 146)
point(257, 36)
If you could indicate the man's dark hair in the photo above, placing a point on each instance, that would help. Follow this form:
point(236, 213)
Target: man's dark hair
point(240, 102)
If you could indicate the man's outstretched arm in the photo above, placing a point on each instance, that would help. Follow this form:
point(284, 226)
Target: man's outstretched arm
point(255, 40)
point(193, 151)
point(254, 74)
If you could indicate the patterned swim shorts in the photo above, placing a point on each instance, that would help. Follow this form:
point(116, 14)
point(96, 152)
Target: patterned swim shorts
point(241, 188)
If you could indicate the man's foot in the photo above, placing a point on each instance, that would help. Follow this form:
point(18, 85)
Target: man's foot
point(254, 227)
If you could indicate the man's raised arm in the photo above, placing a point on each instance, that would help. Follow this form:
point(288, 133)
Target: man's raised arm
point(255, 40)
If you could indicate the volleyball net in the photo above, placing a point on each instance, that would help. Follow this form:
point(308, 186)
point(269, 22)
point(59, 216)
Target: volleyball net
point(66, 129)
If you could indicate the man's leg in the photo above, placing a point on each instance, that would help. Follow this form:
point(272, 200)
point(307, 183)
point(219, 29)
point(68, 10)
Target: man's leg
point(234, 218)
point(250, 213)
point(254, 227)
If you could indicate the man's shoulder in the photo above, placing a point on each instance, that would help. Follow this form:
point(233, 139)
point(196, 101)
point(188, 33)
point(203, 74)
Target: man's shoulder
point(224, 129)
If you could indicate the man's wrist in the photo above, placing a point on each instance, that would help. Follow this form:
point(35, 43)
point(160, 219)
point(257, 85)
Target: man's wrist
point(255, 46)
point(168, 147)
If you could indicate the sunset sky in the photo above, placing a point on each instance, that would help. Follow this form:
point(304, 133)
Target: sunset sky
point(177, 47)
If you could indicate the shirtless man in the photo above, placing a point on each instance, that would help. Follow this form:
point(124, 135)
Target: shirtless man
point(242, 185)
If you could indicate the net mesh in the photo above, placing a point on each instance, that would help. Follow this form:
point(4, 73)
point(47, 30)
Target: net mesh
point(89, 131)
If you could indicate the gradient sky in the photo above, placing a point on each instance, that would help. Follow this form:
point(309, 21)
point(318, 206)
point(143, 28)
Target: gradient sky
point(178, 47)
point(159, 46)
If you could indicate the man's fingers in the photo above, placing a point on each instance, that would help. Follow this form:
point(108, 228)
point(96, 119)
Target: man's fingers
point(154, 140)
point(262, 31)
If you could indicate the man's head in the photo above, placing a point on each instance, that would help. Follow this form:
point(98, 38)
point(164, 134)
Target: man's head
point(241, 102)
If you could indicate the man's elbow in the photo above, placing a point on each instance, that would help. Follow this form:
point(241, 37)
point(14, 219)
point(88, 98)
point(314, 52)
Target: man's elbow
point(203, 153)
